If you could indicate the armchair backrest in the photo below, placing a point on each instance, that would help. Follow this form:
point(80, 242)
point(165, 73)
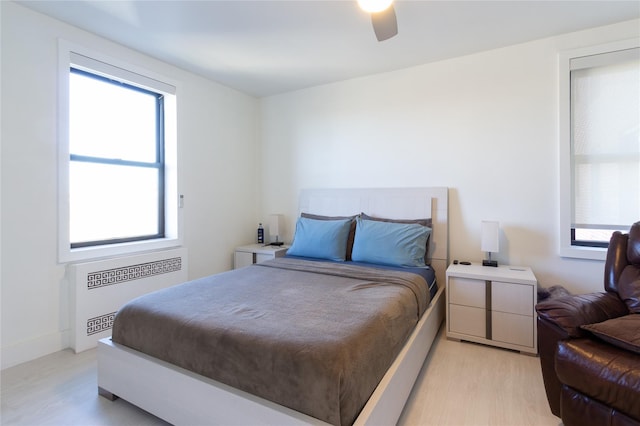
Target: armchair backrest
point(633, 248)
point(624, 250)
point(616, 260)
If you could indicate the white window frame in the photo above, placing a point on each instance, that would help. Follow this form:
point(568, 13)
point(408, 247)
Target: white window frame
point(70, 54)
point(564, 64)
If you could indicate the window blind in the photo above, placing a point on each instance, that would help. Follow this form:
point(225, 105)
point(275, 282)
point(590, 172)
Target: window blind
point(605, 140)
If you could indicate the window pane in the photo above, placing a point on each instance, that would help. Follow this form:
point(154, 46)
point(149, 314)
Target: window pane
point(109, 120)
point(607, 193)
point(112, 201)
point(601, 235)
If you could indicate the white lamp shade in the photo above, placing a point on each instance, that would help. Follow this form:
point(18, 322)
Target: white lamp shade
point(490, 236)
point(276, 223)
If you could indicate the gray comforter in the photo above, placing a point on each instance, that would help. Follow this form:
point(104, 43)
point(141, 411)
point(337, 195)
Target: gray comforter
point(316, 337)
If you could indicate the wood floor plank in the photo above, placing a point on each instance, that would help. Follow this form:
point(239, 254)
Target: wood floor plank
point(465, 383)
point(459, 384)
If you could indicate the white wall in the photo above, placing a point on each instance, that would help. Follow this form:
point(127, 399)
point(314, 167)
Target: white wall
point(217, 154)
point(484, 125)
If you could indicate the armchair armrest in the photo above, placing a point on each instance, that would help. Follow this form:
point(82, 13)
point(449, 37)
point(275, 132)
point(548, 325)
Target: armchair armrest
point(560, 319)
point(570, 312)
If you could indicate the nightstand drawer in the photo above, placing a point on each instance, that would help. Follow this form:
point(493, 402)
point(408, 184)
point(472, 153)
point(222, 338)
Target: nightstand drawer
point(510, 328)
point(467, 292)
point(512, 298)
point(262, 257)
point(257, 253)
point(242, 259)
point(467, 320)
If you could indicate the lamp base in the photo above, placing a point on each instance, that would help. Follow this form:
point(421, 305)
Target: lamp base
point(276, 243)
point(493, 263)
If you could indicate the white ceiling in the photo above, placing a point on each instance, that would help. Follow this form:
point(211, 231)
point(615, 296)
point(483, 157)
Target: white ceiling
point(266, 47)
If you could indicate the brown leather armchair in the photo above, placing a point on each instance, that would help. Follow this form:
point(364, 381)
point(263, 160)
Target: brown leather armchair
point(590, 344)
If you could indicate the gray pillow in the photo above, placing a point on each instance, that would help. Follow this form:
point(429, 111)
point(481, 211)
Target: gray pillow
point(623, 332)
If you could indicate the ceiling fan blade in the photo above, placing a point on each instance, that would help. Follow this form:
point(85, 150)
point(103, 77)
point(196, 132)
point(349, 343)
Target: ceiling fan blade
point(385, 24)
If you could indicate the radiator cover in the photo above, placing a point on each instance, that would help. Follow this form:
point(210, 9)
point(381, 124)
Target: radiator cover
point(101, 287)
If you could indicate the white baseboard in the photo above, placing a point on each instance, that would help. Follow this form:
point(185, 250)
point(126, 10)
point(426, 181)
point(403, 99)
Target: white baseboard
point(35, 348)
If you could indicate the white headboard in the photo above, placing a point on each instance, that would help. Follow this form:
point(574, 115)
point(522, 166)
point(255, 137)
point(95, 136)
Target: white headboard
point(394, 203)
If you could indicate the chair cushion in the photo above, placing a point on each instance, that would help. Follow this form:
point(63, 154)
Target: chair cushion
point(623, 332)
point(601, 371)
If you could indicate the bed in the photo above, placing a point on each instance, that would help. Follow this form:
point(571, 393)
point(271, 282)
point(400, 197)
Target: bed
point(227, 374)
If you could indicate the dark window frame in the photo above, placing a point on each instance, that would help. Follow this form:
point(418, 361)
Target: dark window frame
point(158, 164)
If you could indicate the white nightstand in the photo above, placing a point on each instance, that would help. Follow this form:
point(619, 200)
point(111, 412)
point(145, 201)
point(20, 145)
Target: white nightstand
point(256, 253)
point(494, 306)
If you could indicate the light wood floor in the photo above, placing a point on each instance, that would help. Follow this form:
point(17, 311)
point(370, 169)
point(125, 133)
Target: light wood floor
point(460, 384)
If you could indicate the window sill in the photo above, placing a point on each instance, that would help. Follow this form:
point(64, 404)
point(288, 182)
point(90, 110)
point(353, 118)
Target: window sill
point(591, 253)
point(94, 253)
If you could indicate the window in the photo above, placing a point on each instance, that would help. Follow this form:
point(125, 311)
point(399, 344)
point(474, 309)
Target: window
point(116, 170)
point(117, 166)
point(600, 146)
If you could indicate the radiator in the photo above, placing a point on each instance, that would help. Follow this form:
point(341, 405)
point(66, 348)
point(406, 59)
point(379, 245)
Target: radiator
point(100, 288)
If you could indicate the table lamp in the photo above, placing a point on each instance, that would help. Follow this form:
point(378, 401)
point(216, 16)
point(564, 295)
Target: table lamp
point(276, 222)
point(490, 241)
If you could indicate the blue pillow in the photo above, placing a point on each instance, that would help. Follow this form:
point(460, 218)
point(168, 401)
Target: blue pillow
point(322, 239)
point(388, 243)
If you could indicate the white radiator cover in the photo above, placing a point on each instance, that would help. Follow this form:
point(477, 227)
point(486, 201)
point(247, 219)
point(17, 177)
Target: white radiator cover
point(100, 288)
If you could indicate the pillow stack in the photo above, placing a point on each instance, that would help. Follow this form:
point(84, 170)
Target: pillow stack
point(362, 238)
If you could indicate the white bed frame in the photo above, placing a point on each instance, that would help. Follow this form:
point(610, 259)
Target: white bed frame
point(183, 397)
